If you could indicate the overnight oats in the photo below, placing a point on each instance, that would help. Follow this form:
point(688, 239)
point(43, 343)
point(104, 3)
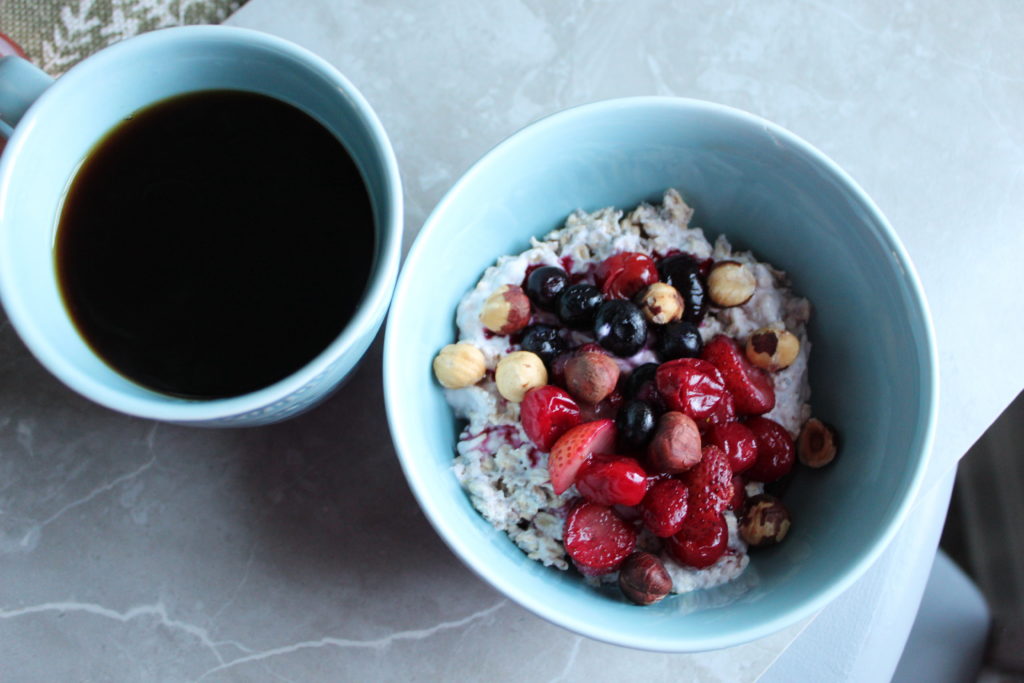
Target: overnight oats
point(628, 390)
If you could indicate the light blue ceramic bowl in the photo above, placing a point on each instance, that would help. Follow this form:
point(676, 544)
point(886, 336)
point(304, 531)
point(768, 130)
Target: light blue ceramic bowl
point(874, 370)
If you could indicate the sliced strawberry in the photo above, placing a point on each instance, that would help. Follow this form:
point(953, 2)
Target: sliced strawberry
point(710, 483)
point(597, 539)
point(695, 387)
point(751, 387)
point(737, 441)
point(574, 447)
point(775, 451)
point(664, 507)
point(622, 275)
point(700, 546)
point(612, 480)
point(547, 412)
point(739, 492)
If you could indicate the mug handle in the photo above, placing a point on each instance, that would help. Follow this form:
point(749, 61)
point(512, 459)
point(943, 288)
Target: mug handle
point(21, 84)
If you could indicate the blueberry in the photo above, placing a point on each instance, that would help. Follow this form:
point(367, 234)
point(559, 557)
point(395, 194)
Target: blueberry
point(683, 272)
point(578, 304)
point(619, 326)
point(545, 285)
point(544, 341)
point(679, 340)
point(640, 376)
point(635, 425)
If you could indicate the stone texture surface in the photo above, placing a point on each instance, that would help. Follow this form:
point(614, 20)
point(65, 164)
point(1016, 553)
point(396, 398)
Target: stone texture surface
point(133, 550)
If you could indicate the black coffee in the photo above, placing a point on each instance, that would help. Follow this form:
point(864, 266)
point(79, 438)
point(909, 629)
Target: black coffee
point(214, 243)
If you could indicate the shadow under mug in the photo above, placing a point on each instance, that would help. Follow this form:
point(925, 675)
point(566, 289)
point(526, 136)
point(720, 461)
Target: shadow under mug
point(57, 123)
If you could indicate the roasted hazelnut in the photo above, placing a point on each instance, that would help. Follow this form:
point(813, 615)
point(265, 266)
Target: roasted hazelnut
point(517, 373)
point(817, 445)
point(661, 303)
point(644, 579)
point(765, 521)
point(591, 376)
point(730, 283)
point(459, 365)
point(507, 310)
point(772, 348)
point(675, 446)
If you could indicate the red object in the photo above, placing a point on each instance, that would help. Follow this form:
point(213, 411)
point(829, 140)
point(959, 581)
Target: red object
point(700, 546)
point(664, 507)
point(752, 388)
point(622, 275)
point(9, 47)
point(775, 451)
point(547, 413)
point(739, 492)
point(710, 484)
point(695, 387)
point(591, 347)
point(597, 539)
point(574, 447)
point(737, 441)
point(606, 409)
point(612, 480)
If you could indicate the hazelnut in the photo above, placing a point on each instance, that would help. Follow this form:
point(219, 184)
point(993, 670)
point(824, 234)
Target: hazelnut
point(507, 310)
point(662, 303)
point(517, 373)
point(772, 348)
point(817, 445)
point(675, 446)
point(644, 579)
point(730, 283)
point(765, 521)
point(591, 376)
point(459, 365)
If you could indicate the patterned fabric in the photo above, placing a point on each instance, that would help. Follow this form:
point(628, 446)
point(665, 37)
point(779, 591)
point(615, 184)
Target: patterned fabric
point(56, 34)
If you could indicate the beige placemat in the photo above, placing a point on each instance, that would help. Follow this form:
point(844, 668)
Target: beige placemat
point(56, 34)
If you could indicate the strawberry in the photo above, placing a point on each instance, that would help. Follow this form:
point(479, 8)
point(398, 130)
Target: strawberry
point(574, 447)
point(700, 546)
point(739, 492)
point(695, 387)
point(597, 539)
point(775, 451)
point(710, 483)
point(751, 388)
point(664, 507)
point(620, 276)
point(737, 441)
point(612, 480)
point(547, 412)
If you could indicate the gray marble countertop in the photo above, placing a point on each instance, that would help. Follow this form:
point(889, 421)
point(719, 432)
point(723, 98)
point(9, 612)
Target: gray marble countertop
point(138, 551)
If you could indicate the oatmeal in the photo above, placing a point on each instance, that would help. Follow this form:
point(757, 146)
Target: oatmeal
point(620, 352)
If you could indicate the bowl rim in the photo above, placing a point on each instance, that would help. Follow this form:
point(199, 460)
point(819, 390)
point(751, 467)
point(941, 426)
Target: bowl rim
point(505, 584)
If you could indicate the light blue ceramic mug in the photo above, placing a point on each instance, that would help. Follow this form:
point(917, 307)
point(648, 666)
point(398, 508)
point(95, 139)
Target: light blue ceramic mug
point(57, 123)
